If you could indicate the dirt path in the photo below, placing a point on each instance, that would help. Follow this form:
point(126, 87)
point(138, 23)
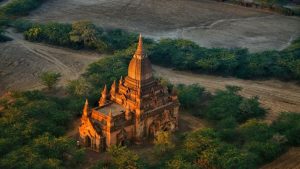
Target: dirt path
point(289, 160)
point(22, 62)
point(276, 95)
point(206, 22)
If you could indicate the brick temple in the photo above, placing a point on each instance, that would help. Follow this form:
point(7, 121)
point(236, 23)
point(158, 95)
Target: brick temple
point(132, 111)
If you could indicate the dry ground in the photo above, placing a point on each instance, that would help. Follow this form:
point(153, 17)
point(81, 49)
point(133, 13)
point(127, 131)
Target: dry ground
point(22, 62)
point(209, 23)
point(275, 95)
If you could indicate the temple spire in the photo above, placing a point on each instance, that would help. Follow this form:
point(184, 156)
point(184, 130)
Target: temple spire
point(113, 88)
point(139, 50)
point(139, 68)
point(103, 98)
point(121, 80)
point(104, 92)
point(86, 108)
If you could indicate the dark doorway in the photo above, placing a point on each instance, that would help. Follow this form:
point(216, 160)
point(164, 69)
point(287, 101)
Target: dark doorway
point(103, 144)
point(88, 141)
point(123, 143)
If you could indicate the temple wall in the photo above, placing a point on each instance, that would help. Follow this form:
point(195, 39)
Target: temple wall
point(113, 136)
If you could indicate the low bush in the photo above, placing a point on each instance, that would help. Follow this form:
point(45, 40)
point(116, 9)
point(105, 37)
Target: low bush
point(20, 7)
point(32, 128)
point(229, 103)
point(288, 125)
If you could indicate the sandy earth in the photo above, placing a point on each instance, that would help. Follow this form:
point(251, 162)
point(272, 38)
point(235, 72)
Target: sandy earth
point(22, 62)
point(275, 95)
point(209, 23)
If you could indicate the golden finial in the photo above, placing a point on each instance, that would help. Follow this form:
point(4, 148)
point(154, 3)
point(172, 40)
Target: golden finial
point(139, 50)
point(121, 80)
point(104, 90)
point(86, 107)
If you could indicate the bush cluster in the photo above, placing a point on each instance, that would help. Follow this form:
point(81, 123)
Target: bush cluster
point(186, 55)
point(20, 7)
point(79, 35)
point(32, 132)
point(179, 54)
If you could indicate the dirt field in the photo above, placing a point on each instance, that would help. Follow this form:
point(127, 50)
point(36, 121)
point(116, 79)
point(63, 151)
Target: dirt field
point(22, 62)
point(209, 23)
point(275, 95)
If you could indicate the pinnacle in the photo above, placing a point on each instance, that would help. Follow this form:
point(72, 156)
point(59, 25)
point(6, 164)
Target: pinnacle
point(139, 50)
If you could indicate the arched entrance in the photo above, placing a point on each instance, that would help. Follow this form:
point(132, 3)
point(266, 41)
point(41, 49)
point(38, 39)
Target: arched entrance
point(122, 137)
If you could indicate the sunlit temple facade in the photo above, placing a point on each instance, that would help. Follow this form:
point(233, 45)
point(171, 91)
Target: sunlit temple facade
point(132, 111)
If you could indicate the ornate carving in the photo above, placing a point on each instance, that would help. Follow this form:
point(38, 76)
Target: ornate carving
point(138, 107)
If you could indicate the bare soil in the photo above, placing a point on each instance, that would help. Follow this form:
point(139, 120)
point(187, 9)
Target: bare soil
point(208, 23)
point(277, 96)
point(22, 62)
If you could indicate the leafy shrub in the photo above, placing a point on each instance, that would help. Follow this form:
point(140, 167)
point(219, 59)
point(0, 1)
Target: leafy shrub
point(186, 55)
point(229, 103)
point(22, 25)
point(50, 79)
point(288, 124)
point(192, 92)
point(20, 7)
point(31, 133)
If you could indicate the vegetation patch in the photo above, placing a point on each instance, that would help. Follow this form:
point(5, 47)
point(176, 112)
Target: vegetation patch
point(179, 54)
point(20, 7)
point(32, 132)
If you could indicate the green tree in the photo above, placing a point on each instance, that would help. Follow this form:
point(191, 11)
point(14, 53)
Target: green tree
point(79, 87)
point(266, 151)
point(34, 34)
point(163, 141)
point(250, 108)
point(85, 34)
point(288, 125)
point(179, 163)
point(50, 79)
point(193, 92)
point(57, 33)
point(122, 158)
point(224, 104)
point(255, 130)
